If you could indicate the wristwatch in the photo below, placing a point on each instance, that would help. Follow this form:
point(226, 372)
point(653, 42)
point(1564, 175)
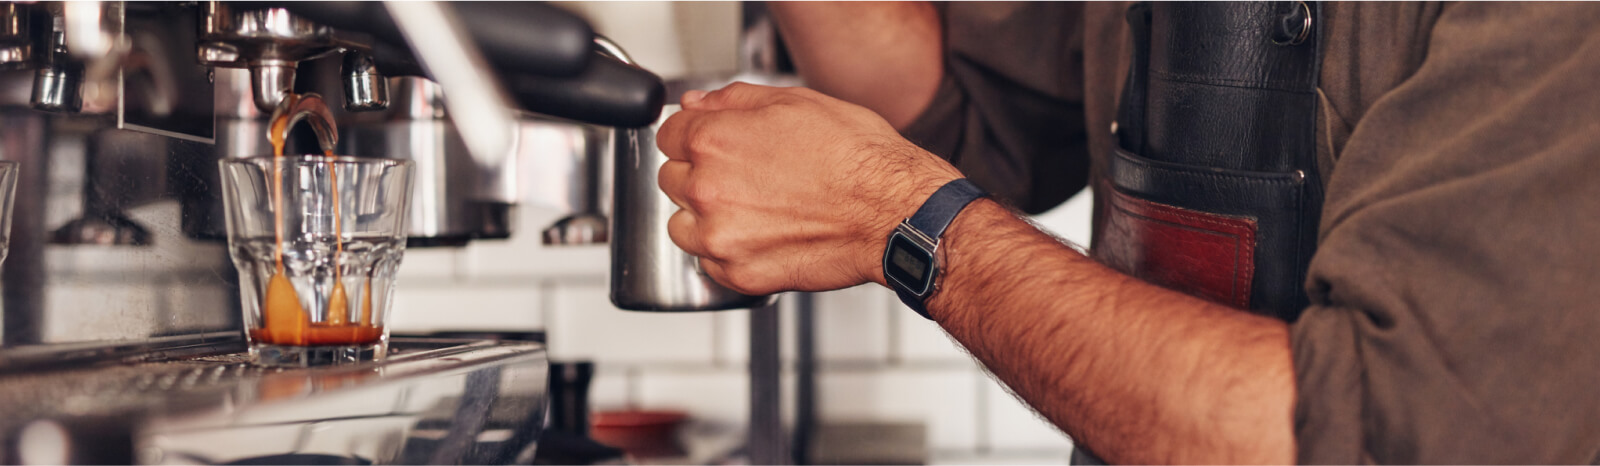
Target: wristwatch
point(910, 262)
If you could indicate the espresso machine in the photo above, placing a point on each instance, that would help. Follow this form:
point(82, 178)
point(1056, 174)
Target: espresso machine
point(120, 338)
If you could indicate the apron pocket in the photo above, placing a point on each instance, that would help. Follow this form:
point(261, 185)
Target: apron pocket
point(1240, 238)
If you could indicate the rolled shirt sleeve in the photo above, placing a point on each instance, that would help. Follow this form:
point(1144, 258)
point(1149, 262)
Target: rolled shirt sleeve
point(1456, 289)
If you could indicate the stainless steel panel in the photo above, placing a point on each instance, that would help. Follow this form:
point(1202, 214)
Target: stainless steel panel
point(433, 401)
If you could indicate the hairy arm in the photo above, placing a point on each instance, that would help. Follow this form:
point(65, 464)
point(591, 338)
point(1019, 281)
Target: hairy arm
point(788, 189)
point(886, 56)
point(1136, 372)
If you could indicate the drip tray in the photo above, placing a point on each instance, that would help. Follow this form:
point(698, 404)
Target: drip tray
point(196, 399)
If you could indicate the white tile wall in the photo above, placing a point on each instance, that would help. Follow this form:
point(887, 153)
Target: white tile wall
point(438, 307)
point(853, 324)
point(1013, 425)
point(613, 388)
point(584, 325)
point(721, 395)
point(921, 340)
point(945, 400)
point(733, 330)
point(422, 266)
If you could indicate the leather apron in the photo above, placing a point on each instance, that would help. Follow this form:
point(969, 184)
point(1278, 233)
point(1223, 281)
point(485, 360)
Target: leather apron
point(1213, 189)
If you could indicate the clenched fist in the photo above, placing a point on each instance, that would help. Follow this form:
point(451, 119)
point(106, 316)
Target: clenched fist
point(789, 189)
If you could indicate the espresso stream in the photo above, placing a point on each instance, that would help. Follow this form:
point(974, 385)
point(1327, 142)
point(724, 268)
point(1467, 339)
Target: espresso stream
point(284, 321)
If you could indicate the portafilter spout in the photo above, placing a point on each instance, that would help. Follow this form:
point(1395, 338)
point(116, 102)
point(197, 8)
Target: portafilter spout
point(313, 110)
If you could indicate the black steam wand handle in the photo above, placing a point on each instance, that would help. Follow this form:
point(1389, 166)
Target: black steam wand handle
point(517, 37)
point(602, 90)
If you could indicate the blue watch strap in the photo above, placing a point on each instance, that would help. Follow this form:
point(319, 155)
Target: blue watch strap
point(941, 208)
point(932, 219)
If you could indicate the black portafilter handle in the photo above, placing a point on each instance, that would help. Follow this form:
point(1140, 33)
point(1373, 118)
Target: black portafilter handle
point(602, 90)
point(608, 92)
point(517, 37)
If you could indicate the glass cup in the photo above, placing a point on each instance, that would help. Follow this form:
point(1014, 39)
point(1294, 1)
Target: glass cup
point(317, 241)
point(8, 191)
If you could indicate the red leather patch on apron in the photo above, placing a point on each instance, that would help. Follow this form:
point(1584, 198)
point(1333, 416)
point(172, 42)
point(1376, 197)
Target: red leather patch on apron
point(1203, 254)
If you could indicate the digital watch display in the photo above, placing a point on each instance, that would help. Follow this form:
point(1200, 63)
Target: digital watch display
point(910, 260)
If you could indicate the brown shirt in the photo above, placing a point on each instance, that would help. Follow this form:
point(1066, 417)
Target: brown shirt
point(1455, 293)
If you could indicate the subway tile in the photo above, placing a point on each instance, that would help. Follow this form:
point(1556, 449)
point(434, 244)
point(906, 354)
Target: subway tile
point(853, 324)
point(525, 255)
point(584, 325)
point(429, 264)
point(733, 337)
point(721, 396)
point(733, 333)
point(917, 339)
point(1013, 425)
point(506, 259)
point(466, 307)
point(946, 400)
point(612, 389)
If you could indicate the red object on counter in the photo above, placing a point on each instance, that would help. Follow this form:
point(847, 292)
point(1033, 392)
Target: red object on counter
point(640, 433)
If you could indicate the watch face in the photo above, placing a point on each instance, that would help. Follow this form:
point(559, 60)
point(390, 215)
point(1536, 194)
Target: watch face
point(908, 264)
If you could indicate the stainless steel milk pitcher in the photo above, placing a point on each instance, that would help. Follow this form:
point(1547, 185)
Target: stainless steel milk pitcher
point(648, 271)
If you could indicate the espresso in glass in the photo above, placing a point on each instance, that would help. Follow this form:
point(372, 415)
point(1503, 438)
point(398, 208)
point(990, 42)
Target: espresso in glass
point(317, 240)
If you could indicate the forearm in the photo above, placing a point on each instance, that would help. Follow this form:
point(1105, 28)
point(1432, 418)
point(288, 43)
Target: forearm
point(886, 56)
point(1135, 372)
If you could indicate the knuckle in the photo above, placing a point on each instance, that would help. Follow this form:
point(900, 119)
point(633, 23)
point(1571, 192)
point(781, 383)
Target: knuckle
point(720, 243)
point(745, 280)
point(700, 193)
point(702, 138)
point(789, 99)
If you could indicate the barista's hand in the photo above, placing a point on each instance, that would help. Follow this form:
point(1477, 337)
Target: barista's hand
point(789, 189)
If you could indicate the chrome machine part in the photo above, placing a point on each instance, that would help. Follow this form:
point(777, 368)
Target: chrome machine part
point(588, 223)
point(193, 399)
point(448, 207)
point(269, 42)
point(57, 79)
point(15, 45)
point(57, 89)
point(365, 89)
point(478, 104)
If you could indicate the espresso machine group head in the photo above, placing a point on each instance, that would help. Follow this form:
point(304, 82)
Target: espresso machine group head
point(502, 66)
point(270, 42)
